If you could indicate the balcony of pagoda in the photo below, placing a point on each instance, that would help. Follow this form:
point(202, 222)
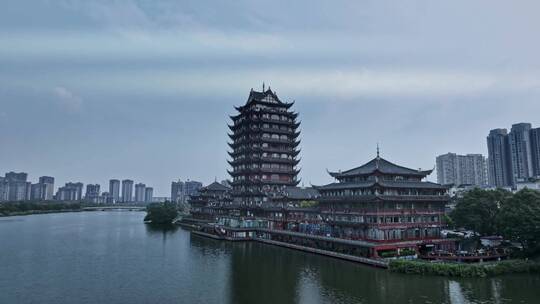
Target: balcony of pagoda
point(290, 123)
point(291, 132)
point(270, 160)
point(279, 160)
point(279, 111)
point(379, 212)
point(380, 197)
point(287, 150)
point(264, 170)
point(275, 140)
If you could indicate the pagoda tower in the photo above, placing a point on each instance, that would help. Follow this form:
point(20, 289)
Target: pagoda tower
point(264, 148)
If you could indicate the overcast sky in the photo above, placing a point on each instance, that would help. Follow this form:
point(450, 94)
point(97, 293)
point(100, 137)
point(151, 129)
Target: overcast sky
point(93, 90)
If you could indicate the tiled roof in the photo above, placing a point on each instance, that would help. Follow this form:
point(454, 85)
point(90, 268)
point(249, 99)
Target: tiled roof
point(381, 165)
point(215, 186)
point(300, 193)
point(382, 183)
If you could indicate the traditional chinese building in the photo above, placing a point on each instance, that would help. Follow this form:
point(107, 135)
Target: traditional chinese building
point(384, 203)
point(264, 148)
point(210, 202)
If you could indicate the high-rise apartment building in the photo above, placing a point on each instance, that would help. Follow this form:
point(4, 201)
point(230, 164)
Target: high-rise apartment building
point(458, 170)
point(18, 187)
point(513, 157)
point(114, 190)
point(139, 192)
point(177, 191)
point(191, 188)
point(92, 193)
point(535, 151)
point(4, 189)
point(127, 191)
point(181, 191)
point(520, 151)
point(48, 182)
point(499, 159)
point(38, 191)
point(70, 192)
point(148, 194)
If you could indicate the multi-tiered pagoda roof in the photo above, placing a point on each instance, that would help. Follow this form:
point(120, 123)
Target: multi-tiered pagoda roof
point(264, 146)
point(377, 175)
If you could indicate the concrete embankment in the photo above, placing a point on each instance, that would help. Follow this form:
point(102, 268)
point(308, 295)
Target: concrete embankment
point(351, 258)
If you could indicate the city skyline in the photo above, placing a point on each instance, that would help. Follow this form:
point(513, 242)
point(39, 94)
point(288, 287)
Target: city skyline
point(167, 100)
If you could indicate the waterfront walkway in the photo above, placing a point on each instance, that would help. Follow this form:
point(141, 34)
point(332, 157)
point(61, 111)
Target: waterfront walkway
point(111, 208)
point(373, 262)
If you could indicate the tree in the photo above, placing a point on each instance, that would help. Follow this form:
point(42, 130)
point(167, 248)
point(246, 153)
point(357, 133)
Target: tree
point(477, 210)
point(519, 219)
point(161, 213)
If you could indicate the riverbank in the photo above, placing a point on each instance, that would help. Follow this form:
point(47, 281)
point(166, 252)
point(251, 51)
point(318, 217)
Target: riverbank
point(406, 266)
point(480, 270)
point(380, 263)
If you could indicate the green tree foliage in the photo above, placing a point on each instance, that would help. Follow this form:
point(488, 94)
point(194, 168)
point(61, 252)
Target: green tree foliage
point(9, 208)
point(478, 210)
point(309, 204)
point(464, 270)
point(519, 219)
point(514, 216)
point(161, 213)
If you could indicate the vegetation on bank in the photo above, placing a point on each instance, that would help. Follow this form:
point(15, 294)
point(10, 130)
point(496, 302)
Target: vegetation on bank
point(516, 217)
point(22, 208)
point(161, 213)
point(464, 270)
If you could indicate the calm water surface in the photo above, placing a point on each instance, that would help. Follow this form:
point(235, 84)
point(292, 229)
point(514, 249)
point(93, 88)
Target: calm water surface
point(112, 257)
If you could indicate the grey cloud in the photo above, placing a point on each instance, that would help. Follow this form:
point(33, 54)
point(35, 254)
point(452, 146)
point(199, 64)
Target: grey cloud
point(67, 100)
point(420, 77)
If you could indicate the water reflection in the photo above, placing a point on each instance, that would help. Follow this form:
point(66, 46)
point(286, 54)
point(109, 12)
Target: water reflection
point(161, 229)
point(114, 258)
point(268, 274)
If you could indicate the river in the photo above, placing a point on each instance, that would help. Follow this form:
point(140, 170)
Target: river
point(112, 257)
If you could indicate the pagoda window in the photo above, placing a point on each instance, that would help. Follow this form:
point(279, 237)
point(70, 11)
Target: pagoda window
point(275, 136)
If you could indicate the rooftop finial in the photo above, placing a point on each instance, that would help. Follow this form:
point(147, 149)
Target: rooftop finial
point(378, 154)
point(263, 86)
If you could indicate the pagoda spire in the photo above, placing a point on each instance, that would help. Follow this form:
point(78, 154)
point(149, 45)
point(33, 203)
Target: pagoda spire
point(378, 157)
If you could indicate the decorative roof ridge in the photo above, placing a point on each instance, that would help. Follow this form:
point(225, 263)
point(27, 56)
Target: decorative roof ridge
point(377, 161)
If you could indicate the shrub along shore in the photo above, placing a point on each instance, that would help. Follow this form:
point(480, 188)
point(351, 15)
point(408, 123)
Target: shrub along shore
point(464, 270)
point(27, 208)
